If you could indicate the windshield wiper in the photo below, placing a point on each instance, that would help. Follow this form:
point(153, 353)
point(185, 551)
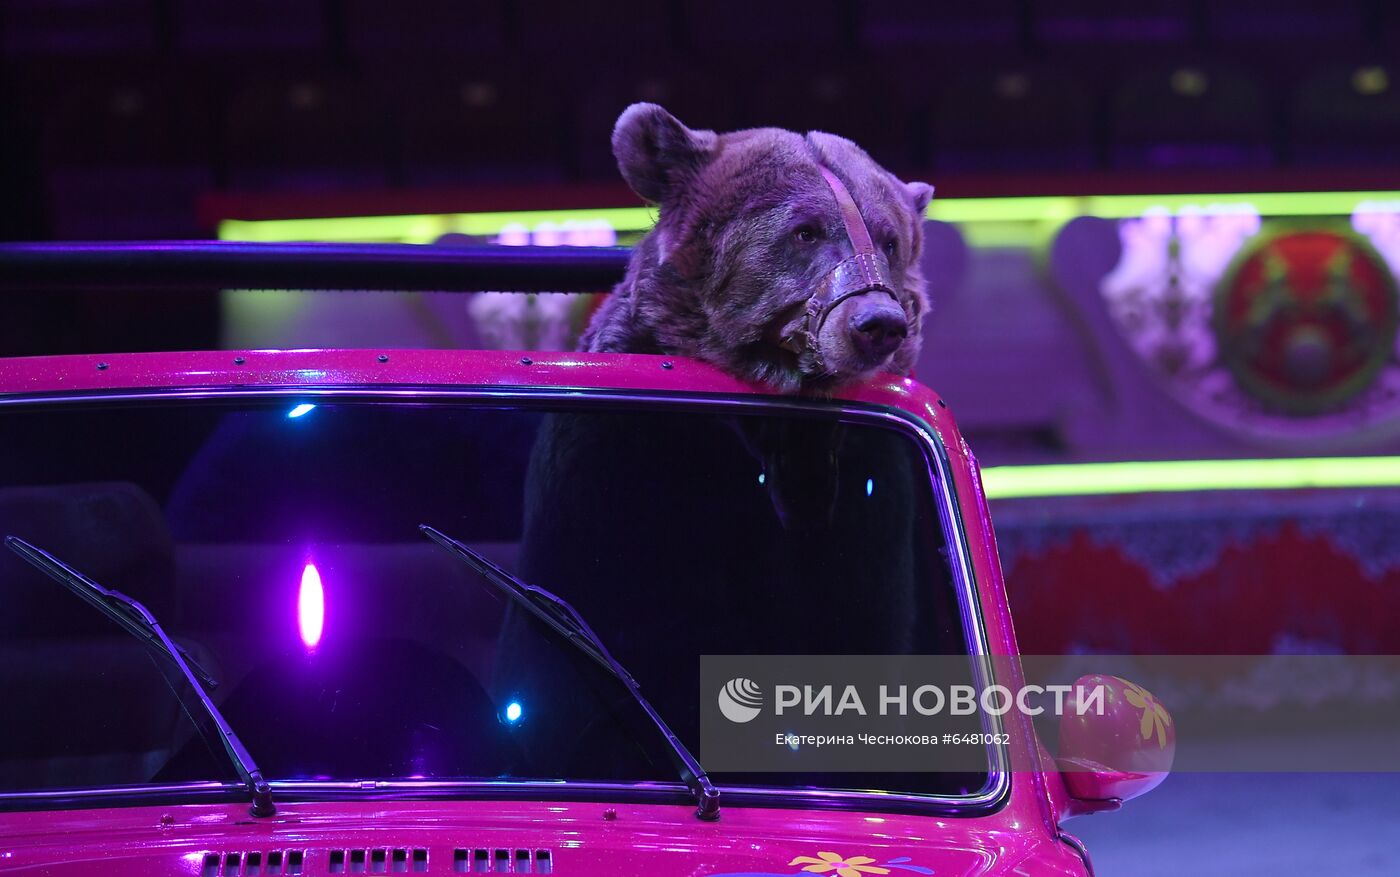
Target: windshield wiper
point(140, 623)
point(100, 598)
point(564, 620)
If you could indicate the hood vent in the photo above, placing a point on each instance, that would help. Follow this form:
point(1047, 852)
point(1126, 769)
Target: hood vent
point(374, 860)
point(254, 864)
point(396, 860)
point(481, 860)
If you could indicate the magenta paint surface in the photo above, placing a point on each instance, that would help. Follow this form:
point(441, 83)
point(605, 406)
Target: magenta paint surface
point(382, 369)
point(1020, 838)
point(640, 840)
point(647, 839)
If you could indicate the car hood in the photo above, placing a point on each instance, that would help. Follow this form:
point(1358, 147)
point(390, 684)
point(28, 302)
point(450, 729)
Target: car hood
point(566, 839)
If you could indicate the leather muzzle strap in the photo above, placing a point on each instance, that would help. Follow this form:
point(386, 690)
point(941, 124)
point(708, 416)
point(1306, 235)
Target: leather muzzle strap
point(850, 213)
point(865, 271)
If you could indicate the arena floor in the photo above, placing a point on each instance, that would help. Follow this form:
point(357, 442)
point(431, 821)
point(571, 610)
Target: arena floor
point(1255, 825)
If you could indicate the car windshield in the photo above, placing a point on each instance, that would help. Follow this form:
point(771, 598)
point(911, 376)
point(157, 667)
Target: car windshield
point(277, 539)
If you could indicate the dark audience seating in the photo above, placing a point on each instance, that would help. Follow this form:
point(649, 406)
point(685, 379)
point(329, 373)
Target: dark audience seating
point(250, 32)
point(386, 38)
point(575, 41)
point(306, 134)
point(488, 126)
point(1023, 119)
point(935, 33)
point(126, 158)
point(699, 97)
point(861, 102)
point(1191, 115)
point(800, 34)
point(1272, 25)
point(1109, 26)
point(44, 29)
point(1347, 114)
point(174, 97)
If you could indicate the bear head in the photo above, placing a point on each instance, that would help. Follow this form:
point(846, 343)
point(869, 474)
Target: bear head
point(750, 227)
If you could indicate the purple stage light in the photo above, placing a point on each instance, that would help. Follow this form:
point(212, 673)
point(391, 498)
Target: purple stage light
point(311, 606)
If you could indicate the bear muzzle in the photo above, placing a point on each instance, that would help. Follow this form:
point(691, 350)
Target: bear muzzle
point(852, 321)
point(858, 336)
point(877, 328)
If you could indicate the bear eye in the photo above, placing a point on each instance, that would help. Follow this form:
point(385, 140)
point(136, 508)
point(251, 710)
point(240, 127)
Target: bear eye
point(806, 234)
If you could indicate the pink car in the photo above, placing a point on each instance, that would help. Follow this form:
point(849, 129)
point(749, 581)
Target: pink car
point(408, 611)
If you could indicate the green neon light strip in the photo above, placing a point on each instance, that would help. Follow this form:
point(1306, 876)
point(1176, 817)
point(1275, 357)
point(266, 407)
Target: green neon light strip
point(1086, 479)
point(425, 228)
point(1124, 206)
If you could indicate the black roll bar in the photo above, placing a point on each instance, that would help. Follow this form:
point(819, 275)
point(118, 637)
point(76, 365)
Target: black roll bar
point(233, 265)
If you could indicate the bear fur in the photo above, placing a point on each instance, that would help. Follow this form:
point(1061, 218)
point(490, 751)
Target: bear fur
point(727, 533)
point(747, 228)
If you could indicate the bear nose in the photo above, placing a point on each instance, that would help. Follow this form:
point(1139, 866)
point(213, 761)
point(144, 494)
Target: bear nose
point(877, 329)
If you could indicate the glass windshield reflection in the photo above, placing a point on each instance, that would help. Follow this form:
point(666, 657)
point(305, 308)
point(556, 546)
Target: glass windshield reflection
point(281, 542)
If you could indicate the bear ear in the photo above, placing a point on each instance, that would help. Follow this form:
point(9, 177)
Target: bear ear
point(656, 153)
point(921, 193)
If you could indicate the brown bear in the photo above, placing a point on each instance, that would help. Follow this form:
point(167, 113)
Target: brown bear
point(786, 259)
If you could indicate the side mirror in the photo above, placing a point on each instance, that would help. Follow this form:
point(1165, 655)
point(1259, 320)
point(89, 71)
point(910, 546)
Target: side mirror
point(1118, 753)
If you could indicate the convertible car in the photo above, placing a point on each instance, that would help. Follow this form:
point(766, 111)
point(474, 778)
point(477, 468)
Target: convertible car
point(435, 611)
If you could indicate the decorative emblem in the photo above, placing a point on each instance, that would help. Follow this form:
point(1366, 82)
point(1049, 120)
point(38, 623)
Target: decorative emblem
point(1305, 320)
point(1289, 332)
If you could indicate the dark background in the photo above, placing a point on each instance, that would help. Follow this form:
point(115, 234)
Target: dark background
point(120, 114)
point(141, 119)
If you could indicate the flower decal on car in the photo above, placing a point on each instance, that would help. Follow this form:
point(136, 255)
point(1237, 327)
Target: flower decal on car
point(853, 866)
point(1154, 716)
